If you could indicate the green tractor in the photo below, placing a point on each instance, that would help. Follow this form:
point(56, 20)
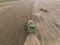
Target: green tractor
point(30, 26)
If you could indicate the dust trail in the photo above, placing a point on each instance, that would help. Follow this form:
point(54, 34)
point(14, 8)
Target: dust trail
point(32, 40)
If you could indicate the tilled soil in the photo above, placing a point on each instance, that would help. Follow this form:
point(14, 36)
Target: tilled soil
point(47, 23)
point(13, 16)
point(12, 20)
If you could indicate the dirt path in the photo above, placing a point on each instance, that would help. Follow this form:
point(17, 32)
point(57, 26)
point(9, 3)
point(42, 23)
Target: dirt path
point(32, 40)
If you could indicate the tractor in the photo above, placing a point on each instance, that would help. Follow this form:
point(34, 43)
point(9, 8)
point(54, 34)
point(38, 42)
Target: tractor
point(30, 26)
